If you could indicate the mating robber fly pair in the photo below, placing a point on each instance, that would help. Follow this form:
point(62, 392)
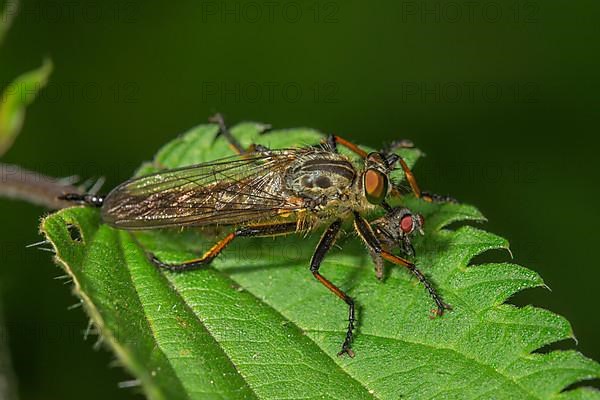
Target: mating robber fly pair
point(268, 192)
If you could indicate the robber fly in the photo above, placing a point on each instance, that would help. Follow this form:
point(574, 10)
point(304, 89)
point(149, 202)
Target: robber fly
point(265, 192)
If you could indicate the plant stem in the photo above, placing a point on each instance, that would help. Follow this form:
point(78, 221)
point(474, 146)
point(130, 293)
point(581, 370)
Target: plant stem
point(21, 184)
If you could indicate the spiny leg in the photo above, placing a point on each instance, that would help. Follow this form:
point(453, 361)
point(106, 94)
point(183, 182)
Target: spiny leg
point(332, 139)
point(427, 196)
point(441, 306)
point(233, 142)
point(325, 244)
point(223, 130)
point(366, 233)
point(213, 252)
point(410, 178)
point(412, 181)
point(404, 144)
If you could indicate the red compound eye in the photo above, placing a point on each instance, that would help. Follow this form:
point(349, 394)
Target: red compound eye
point(407, 224)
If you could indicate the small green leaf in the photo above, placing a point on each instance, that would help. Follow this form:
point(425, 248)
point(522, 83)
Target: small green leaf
point(14, 100)
point(256, 324)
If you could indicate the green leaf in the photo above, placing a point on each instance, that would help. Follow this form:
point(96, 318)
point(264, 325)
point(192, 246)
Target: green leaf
point(257, 325)
point(14, 100)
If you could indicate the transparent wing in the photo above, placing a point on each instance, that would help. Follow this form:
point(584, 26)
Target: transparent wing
point(232, 190)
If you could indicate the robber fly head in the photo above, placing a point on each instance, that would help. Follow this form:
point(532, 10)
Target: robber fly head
point(397, 226)
point(376, 181)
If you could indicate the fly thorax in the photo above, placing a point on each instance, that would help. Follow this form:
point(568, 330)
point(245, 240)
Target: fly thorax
point(323, 177)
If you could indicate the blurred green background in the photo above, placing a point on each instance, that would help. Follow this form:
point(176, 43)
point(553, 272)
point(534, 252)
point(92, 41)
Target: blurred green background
point(501, 95)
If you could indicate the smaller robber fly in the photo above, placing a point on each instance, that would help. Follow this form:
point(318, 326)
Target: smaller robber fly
point(269, 192)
